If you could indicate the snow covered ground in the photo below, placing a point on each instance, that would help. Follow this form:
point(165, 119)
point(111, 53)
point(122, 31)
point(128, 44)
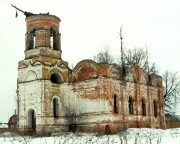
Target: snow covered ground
point(130, 136)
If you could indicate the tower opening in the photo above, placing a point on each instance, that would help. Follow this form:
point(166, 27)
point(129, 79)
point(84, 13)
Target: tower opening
point(56, 78)
point(30, 40)
point(54, 40)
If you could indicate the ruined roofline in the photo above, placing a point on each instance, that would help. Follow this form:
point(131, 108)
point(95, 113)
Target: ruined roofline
point(34, 16)
point(117, 66)
point(133, 74)
point(29, 14)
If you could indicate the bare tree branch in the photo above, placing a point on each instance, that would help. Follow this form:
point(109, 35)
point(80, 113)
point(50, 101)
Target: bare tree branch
point(104, 56)
point(141, 57)
point(171, 83)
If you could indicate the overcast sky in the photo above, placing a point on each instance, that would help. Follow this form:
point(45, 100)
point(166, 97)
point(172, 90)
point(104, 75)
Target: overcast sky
point(86, 27)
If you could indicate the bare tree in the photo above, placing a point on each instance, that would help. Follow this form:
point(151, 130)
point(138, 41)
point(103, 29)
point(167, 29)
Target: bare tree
point(141, 57)
point(171, 83)
point(129, 58)
point(104, 56)
point(72, 117)
point(17, 106)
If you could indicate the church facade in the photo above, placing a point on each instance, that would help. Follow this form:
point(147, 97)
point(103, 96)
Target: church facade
point(93, 97)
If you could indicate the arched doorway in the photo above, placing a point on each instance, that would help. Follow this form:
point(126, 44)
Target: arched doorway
point(31, 120)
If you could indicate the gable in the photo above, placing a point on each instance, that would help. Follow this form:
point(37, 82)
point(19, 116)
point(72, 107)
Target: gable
point(84, 70)
point(88, 69)
point(137, 75)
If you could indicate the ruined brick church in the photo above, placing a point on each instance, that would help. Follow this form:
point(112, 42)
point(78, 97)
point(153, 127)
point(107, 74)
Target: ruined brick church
point(93, 97)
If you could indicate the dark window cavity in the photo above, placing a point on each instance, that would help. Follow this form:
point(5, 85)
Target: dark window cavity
point(56, 78)
point(115, 104)
point(143, 106)
point(30, 40)
point(55, 107)
point(155, 108)
point(130, 105)
point(32, 120)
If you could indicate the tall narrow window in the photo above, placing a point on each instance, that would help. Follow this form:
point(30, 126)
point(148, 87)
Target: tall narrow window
point(32, 120)
point(51, 41)
point(130, 105)
point(30, 40)
point(155, 108)
point(55, 107)
point(34, 41)
point(115, 104)
point(143, 106)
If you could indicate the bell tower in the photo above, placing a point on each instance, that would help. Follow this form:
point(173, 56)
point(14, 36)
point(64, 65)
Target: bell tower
point(42, 36)
point(41, 75)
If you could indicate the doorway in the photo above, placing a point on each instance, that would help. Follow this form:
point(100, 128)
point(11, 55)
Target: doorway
point(32, 121)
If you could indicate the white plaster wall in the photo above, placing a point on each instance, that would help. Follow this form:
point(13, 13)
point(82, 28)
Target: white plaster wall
point(23, 73)
point(30, 98)
point(93, 106)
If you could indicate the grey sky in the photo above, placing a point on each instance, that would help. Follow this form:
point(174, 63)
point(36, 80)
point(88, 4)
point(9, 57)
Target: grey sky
point(86, 27)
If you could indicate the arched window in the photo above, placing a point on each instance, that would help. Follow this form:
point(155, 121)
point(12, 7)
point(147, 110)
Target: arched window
point(130, 105)
point(155, 108)
point(34, 40)
point(143, 106)
point(54, 40)
point(55, 107)
point(51, 42)
point(32, 120)
point(30, 40)
point(115, 104)
point(56, 78)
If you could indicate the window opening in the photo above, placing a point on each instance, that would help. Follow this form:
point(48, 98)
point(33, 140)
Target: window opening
point(56, 78)
point(130, 105)
point(115, 104)
point(32, 120)
point(55, 107)
point(143, 106)
point(30, 39)
point(34, 41)
point(155, 108)
point(51, 42)
point(53, 39)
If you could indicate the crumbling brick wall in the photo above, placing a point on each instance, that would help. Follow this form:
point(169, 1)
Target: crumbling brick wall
point(94, 97)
